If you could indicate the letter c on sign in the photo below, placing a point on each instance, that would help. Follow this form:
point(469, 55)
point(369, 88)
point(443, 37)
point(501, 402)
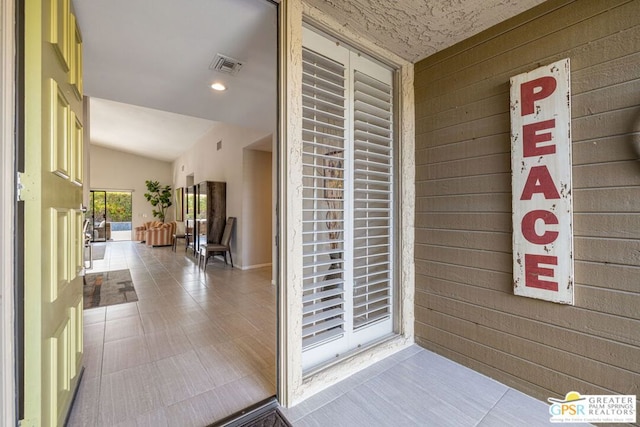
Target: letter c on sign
point(529, 227)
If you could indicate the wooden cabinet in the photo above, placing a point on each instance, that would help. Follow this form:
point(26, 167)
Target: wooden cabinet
point(206, 212)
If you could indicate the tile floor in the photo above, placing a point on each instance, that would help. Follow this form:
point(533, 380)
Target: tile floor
point(416, 387)
point(195, 348)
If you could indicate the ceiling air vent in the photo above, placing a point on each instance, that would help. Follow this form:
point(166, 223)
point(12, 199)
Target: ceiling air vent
point(225, 64)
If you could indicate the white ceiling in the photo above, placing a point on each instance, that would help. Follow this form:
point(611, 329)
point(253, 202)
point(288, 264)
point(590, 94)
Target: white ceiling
point(151, 133)
point(156, 54)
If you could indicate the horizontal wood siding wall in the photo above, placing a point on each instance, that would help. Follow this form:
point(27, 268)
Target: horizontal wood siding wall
point(465, 307)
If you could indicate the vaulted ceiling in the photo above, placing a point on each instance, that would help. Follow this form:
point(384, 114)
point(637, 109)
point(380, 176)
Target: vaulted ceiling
point(156, 55)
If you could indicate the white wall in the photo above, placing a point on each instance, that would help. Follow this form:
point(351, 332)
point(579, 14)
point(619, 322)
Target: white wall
point(207, 163)
point(117, 170)
point(257, 208)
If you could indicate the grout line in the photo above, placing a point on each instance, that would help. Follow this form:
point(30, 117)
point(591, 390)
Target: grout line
point(494, 405)
point(356, 385)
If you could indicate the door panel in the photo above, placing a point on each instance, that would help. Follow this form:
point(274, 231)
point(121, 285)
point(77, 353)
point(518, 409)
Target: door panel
point(60, 136)
point(53, 242)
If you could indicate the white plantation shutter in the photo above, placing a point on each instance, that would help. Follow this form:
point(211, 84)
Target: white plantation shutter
point(347, 233)
point(323, 94)
point(373, 200)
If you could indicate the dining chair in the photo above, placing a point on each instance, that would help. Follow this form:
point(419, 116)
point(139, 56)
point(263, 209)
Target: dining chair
point(224, 247)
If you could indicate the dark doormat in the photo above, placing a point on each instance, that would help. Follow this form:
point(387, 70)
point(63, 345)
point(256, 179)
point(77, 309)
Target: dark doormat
point(273, 418)
point(262, 414)
point(108, 288)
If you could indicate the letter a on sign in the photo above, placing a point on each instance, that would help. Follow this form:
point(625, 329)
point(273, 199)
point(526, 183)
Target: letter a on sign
point(541, 183)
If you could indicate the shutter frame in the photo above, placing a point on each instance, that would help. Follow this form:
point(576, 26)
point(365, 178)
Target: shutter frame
point(349, 140)
point(324, 138)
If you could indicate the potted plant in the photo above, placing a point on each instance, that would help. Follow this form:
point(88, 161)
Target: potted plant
point(160, 198)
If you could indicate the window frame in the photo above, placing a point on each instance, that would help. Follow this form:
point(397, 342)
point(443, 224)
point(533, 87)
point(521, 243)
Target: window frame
point(294, 386)
point(356, 340)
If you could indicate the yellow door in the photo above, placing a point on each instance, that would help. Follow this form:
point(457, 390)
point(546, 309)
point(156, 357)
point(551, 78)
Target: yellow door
point(52, 194)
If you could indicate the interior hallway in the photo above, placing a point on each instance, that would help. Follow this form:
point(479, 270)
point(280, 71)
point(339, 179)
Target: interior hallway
point(195, 348)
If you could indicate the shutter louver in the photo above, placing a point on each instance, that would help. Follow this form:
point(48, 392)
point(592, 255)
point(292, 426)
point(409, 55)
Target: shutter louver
point(323, 158)
point(373, 201)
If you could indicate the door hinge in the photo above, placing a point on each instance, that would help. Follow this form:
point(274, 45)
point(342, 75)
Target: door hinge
point(24, 187)
point(19, 187)
point(26, 423)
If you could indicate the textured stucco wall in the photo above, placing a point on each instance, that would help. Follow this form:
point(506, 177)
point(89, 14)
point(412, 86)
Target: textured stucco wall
point(290, 344)
point(299, 387)
point(414, 29)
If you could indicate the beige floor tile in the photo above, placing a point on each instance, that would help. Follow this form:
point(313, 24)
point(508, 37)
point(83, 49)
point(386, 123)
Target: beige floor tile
point(93, 361)
point(270, 374)
point(167, 343)
point(192, 285)
point(188, 316)
point(215, 307)
point(85, 407)
point(222, 363)
point(94, 334)
point(241, 393)
point(147, 305)
point(242, 362)
point(180, 299)
point(259, 318)
point(155, 418)
point(123, 354)
point(182, 377)
point(235, 325)
point(267, 338)
point(206, 333)
point(170, 358)
point(122, 328)
point(128, 393)
point(155, 321)
point(197, 411)
point(121, 311)
point(258, 354)
point(147, 292)
point(94, 315)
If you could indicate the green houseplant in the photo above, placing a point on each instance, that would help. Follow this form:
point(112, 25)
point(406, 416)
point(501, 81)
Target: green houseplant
point(160, 198)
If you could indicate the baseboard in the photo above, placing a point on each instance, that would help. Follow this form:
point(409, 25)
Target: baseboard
point(252, 267)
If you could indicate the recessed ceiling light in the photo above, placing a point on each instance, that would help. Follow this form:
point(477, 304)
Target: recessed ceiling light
point(218, 86)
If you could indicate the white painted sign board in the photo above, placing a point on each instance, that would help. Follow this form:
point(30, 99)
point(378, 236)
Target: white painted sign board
point(541, 183)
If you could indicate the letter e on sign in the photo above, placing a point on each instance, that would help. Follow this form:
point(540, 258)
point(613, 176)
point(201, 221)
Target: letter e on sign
point(541, 183)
